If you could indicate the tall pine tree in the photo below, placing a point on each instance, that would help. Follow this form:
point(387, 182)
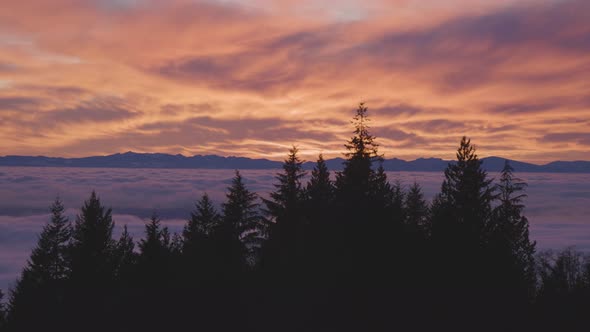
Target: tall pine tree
point(93, 266)
point(198, 247)
point(509, 236)
point(37, 299)
point(285, 211)
point(92, 245)
point(354, 181)
point(463, 208)
point(242, 222)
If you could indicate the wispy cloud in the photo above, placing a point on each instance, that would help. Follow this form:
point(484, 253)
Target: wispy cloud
point(137, 74)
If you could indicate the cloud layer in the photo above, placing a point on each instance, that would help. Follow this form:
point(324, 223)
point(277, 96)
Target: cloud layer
point(253, 77)
point(557, 205)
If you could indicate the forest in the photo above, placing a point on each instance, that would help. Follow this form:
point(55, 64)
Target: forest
point(344, 251)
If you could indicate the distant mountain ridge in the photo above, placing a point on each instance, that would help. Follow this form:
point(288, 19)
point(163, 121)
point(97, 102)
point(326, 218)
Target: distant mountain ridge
point(162, 160)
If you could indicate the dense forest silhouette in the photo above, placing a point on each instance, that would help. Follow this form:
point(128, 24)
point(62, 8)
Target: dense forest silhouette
point(352, 252)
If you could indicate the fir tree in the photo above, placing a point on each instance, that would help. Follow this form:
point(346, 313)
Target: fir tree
point(461, 213)
point(241, 219)
point(320, 189)
point(416, 211)
point(92, 245)
point(93, 266)
point(509, 233)
point(201, 224)
point(353, 182)
point(125, 257)
point(49, 261)
point(285, 210)
point(286, 200)
point(465, 197)
point(154, 249)
point(40, 291)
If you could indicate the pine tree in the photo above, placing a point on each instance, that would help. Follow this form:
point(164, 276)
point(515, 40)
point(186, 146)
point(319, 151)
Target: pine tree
point(353, 182)
point(92, 245)
point(198, 247)
point(242, 220)
point(288, 196)
point(509, 233)
point(284, 209)
point(465, 197)
point(154, 249)
point(201, 224)
point(461, 213)
point(125, 256)
point(49, 260)
point(416, 211)
point(37, 298)
point(93, 266)
point(320, 189)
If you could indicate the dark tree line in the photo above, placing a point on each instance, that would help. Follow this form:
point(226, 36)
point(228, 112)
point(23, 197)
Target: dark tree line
point(346, 252)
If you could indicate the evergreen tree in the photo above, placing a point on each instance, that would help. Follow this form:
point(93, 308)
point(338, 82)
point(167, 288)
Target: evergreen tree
point(564, 291)
point(509, 235)
point(124, 294)
point(320, 218)
point(461, 213)
point(416, 211)
point(93, 267)
point(125, 256)
point(39, 292)
point(465, 198)
point(201, 224)
point(158, 277)
point(49, 260)
point(320, 189)
point(285, 210)
point(198, 247)
point(242, 221)
point(155, 249)
point(353, 182)
point(92, 245)
point(288, 196)
point(416, 237)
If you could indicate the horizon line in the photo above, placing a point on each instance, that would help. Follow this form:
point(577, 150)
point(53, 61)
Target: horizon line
point(275, 160)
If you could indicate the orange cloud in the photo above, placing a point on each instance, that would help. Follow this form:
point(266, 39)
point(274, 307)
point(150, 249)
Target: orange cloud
point(252, 78)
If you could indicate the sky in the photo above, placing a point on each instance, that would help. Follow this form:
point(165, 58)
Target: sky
point(252, 78)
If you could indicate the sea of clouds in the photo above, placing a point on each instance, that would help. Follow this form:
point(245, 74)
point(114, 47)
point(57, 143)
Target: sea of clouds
point(558, 205)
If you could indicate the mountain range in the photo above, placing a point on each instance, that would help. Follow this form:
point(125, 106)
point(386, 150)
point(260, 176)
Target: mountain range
point(161, 160)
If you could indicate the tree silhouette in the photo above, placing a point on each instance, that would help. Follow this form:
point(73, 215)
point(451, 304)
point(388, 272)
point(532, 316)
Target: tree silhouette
point(40, 290)
point(198, 247)
point(242, 220)
point(358, 253)
point(460, 215)
point(202, 222)
point(320, 188)
point(93, 266)
point(155, 250)
point(125, 256)
point(285, 246)
point(416, 212)
point(92, 244)
point(353, 182)
point(353, 188)
point(509, 237)
point(564, 291)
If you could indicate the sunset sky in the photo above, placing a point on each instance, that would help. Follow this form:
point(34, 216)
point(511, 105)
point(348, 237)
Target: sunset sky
point(252, 78)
